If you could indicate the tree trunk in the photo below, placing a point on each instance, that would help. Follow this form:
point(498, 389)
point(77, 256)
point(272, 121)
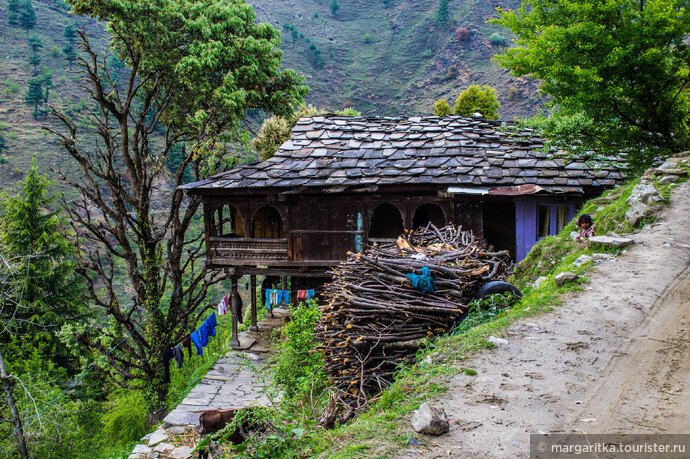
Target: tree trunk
point(18, 430)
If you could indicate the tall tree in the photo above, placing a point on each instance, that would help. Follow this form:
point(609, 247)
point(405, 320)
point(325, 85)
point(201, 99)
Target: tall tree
point(334, 6)
point(14, 7)
point(35, 43)
point(617, 72)
point(3, 146)
point(478, 98)
point(443, 15)
point(196, 68)
point(27, 17)
point(35, 95)
point(46, 293)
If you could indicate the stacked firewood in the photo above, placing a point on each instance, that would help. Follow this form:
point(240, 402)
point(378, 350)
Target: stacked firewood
point(373, 320)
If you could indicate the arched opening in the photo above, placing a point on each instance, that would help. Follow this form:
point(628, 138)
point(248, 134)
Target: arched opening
point(267, 223)
point(386, 222)
point(428, 213)
point(231, 223)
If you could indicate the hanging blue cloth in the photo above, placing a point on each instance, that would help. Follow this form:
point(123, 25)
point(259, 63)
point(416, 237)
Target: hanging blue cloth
point(196, 339)
point(422, 282)
point(310, 293)
point(211, 324)
point(286, 296)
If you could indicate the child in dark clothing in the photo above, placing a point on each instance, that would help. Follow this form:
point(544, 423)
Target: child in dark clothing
point(586, 227)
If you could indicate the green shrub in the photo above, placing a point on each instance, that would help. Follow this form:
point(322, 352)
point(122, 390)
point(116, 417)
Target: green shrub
point(55, 51)
point(442, 108)
point(482, 98)
point(367, 38)
point(497, 39)
point(485, 310)
point(298, 367)
point(126, 419)
point(11, 88)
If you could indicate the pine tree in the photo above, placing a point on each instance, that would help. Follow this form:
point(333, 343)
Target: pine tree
point(34, 94)
point(50, 293)
point(334, 6)
point(70, 54)
point(14, 7)
point(27, 17)
point(443, 16)
point(3, 146)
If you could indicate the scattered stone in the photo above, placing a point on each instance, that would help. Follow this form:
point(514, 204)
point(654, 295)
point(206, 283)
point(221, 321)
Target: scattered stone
point(411, 441)
point(141, 450)
point(497, 341)
point(430, 420)
point(574, 235)
point(678, 172)
point(177, 430)
point(599, 257)
point(164, 447)
point(539, 282)
point(565, 277)
point(637, 211)
point(581, 260)
point(641, 193)
point(181, 452)
point(611, 241)
point(668, 179)
point(158, 436)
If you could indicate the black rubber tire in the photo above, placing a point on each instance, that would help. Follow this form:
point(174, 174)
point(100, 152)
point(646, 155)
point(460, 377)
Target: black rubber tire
point(493, 287)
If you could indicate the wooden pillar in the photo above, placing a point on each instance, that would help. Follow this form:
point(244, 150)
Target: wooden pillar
point(254, 327)
point(234, 297)
point(284, 284)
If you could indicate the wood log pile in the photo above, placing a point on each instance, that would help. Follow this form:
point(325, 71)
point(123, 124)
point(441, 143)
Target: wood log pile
point(373, 319)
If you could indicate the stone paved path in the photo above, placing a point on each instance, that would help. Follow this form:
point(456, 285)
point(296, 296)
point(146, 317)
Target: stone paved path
point(231, 383)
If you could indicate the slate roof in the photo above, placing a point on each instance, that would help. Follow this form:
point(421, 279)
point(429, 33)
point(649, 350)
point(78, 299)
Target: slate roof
point(455, 151)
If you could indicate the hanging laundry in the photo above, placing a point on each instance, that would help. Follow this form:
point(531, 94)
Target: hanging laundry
point(223, 306)
point(178, 353)
point(285, 297)
point(209, 326)
point(239, 308)
point(310, 293)
point(196, 339)
point(269, 292)
point(167, 355)
point(188, 344)
point(301, 295)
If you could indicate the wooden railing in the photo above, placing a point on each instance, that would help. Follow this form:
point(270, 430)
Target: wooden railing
point(248, 249)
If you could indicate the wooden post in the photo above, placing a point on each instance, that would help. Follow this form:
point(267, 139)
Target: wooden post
point(284, 284)
point(254, 327)
point(234, 296)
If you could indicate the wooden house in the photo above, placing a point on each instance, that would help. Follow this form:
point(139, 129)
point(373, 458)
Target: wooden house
point(341, 183)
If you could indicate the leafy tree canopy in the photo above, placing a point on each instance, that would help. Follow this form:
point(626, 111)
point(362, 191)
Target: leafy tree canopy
point(478, 98)
point(276, 130)
point(212, 57)
point(617, 71)
point(442, 108)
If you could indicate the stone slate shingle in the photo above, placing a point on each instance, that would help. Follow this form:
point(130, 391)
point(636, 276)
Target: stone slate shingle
point(333, 150)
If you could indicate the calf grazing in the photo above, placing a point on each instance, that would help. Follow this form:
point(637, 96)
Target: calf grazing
point(211, 421)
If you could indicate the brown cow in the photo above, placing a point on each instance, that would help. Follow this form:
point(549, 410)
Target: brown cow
point(212, 421)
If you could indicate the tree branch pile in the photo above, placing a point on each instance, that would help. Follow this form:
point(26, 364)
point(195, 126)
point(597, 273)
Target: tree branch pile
point(374, 320)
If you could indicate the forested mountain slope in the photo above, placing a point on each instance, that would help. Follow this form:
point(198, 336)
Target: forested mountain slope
point(385, 57)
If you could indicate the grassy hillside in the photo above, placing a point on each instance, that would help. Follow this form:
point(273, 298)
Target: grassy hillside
point(395, 57)
point(387, 58)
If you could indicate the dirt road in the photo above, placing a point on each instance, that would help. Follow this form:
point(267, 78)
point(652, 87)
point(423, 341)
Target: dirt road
point(612, 359)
